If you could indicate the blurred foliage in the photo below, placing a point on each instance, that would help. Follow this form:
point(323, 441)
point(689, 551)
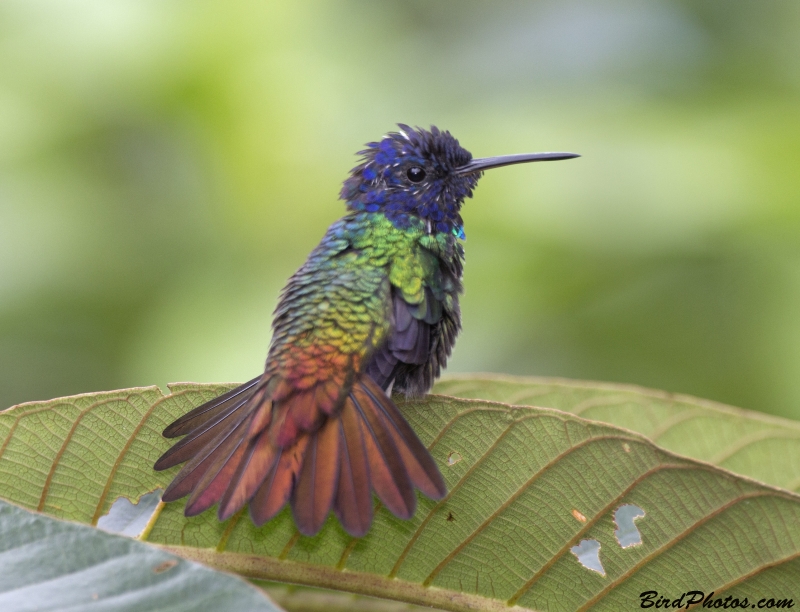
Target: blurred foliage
point(165, 166)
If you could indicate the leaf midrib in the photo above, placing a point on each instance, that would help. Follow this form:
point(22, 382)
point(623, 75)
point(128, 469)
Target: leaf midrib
point(326, 576)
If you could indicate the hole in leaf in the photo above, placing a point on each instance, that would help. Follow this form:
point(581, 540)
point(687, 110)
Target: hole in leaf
point(453, 458)
point(165, 566)
point(578, 516)
point(627, 533)
point(126, 518)
point(588, 554)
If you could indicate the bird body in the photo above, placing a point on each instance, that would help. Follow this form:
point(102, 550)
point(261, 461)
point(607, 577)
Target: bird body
point(343, 304)
point(373, 308)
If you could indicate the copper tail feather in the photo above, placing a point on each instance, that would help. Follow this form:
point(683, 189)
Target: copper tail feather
point(240, 448)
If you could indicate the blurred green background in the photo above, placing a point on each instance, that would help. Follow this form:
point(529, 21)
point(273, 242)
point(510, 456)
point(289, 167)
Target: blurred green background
point(166, 165)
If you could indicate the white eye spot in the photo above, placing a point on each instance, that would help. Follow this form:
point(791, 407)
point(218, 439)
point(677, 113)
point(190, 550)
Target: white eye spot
point(588, 554)
point(627, 533)
point(415, 174)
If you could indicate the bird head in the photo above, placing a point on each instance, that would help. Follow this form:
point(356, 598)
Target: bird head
point(417, 175)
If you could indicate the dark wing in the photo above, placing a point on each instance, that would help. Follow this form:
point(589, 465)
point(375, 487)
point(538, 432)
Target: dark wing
point(422, 335)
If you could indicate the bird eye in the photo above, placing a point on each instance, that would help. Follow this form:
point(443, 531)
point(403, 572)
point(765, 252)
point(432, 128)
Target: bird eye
point(415, 174)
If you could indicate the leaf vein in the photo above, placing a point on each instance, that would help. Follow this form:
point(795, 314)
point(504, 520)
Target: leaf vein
point(402, 557)
point(534, 477)
point(115, 466)
point(62, 450)
point(667, 545)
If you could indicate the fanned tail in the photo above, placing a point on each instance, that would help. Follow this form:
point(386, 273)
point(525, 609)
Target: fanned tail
point(241, 448)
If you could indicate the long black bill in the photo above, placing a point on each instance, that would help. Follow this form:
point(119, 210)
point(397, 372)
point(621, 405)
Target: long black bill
point(485, 163)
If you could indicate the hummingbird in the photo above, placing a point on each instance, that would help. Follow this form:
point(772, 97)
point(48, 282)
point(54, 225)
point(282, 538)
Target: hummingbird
point(374, 309)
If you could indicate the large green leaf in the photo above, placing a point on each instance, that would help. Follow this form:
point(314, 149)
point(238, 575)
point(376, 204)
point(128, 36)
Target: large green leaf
point(46, 564)
point(753, 444)
point(531, 491)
